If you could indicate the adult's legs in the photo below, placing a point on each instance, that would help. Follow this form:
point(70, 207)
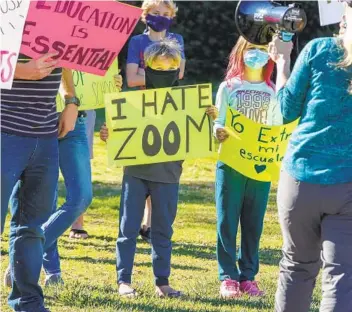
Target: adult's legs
point(337, 250)
point(15, 154)
point(299, 207)
point(75, 168)
point(36, 194)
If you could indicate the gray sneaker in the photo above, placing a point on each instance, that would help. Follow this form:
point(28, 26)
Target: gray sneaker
point(54, 280)
point(7, 278)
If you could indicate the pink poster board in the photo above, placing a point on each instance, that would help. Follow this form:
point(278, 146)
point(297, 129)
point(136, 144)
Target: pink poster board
point(87, 35)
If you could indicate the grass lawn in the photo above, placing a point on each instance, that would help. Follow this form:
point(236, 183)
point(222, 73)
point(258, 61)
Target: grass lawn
point(89, 265)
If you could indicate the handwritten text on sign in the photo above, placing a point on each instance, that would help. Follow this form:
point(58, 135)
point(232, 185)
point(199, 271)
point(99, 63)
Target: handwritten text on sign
point(253, 149)
point(152, 126)
point(87, 35)
point(91, 89)
point(12, 18)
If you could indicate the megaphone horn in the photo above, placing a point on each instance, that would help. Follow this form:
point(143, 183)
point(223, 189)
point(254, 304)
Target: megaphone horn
point(258, 21)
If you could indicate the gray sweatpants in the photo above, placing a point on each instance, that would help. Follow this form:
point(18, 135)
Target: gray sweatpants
point(316, 223)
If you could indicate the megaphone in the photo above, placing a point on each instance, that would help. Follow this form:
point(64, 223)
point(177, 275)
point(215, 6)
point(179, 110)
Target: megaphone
point(258, 21)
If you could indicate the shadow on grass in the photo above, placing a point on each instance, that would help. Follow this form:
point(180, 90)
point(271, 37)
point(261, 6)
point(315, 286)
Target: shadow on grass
point(266, 256)
point(173, 266)
point(189, 193)
point(91, 260)
point(270, 256)
point(102, 296)
point(195, 251)
point(112, 261)
point(100, 190)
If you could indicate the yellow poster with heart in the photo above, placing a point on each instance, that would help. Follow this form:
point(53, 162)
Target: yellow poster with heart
point(253, 149)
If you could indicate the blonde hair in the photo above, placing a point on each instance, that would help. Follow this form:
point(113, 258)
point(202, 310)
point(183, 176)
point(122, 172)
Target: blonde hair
point(347, 42)
point(149, 4)
point(167, 47)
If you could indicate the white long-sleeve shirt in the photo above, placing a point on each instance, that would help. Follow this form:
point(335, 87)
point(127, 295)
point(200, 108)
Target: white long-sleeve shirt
point(257, 101)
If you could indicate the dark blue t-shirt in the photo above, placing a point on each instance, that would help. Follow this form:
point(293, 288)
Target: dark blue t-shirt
point(139, 43)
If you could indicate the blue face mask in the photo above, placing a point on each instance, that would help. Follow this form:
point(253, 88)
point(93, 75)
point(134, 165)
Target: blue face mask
point(158, 23)
point(256, 58)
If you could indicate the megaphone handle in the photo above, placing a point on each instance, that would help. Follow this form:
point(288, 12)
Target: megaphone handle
point(286, 36)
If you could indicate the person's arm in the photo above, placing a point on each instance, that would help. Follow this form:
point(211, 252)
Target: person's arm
point(183, 56)
point(280, 53)
point(68, 116)
point(135, 75)
point(291, 88)
point(182, 69)
point(221, 105)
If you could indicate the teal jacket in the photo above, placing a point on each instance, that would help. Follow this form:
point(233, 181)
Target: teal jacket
point(320, 149)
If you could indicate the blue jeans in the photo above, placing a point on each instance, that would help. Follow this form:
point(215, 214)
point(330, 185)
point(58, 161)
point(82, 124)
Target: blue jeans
point(164, 197)
point(75, 167)
point(33, 162)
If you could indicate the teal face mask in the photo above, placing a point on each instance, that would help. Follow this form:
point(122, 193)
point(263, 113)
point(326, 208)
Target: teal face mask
point(256, 58)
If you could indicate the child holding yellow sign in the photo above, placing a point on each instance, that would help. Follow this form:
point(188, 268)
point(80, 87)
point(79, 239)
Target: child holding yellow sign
point(158, 16)
point(160, 181)
point(248, 89)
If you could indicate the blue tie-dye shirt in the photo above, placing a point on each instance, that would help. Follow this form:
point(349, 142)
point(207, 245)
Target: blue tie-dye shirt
point(320, 149)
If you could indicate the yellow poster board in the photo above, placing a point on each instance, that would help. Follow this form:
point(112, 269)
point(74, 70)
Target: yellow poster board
point(152, 126)
point(91, 89)
point(253, 149)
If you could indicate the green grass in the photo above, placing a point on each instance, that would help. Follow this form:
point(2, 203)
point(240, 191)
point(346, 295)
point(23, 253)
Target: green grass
point(89, 266)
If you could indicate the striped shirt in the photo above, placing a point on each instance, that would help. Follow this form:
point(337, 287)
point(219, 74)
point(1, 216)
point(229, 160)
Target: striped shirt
point(29, 108)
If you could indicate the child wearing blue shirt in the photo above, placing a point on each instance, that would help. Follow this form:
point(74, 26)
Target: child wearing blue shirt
point(160, 181)
point(158, 16)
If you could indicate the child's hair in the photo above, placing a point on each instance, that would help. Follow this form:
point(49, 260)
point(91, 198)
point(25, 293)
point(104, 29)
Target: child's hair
point(236, 63)
point(167, 47)
point(149, 4)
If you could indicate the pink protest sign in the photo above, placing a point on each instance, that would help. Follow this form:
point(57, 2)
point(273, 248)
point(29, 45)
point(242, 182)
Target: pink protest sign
point(86, 35)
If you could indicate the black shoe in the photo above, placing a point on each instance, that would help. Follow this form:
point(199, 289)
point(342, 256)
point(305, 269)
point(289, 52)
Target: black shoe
point(145, 234)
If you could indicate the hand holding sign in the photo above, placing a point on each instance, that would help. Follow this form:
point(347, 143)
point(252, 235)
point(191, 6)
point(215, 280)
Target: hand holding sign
point(221, 134)
point(118, 81)
point(87, 35)
point(104, 132)
point(37, 69)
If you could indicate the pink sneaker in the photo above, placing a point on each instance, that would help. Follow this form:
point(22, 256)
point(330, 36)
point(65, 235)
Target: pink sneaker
point(230, 289)
point(251, 288)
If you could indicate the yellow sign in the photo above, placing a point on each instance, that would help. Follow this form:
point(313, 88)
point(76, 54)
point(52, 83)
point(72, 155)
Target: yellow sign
point(153, 126)
point(91, 89)
point(253, 149)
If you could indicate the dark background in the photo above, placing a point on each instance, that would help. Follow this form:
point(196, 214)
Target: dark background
point(209, 33)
